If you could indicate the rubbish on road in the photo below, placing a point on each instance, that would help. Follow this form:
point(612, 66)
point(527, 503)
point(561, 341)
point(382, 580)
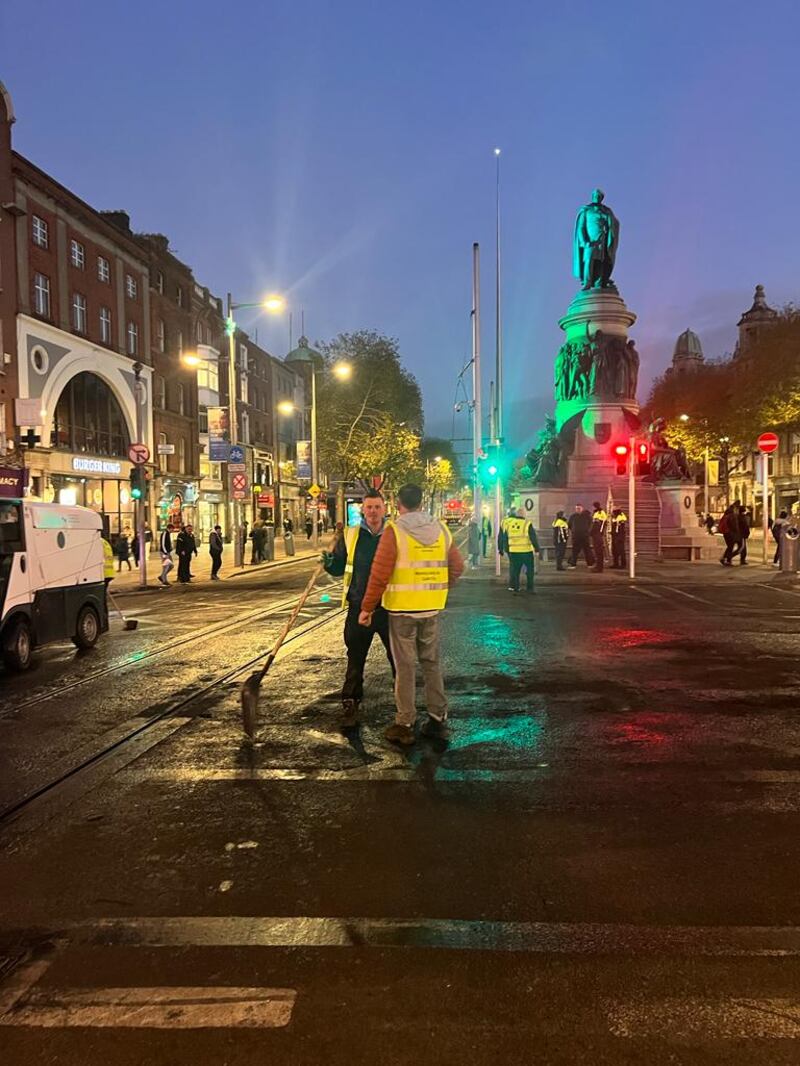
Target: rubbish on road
point(225, 886)
point(128, 623)
point(251, 687)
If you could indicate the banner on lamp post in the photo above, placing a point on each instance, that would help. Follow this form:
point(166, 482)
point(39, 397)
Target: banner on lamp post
point(304, 459)
point(219, 435)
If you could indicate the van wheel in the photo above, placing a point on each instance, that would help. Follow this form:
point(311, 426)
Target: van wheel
point(87, 629)
point(18, 645)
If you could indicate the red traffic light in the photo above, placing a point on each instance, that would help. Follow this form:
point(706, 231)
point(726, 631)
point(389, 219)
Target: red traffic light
point(620, 449)
point(620, 453)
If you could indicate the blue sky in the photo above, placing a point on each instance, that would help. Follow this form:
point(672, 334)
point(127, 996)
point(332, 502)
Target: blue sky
point(342, 154)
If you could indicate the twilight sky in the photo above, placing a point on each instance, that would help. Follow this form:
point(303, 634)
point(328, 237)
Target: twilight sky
point(342, 153)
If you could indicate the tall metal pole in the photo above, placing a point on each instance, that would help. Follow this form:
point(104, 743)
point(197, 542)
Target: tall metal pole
point(765, 508)
point(632, 511)
point(139, 505)
point(477, 418)
point(235, 509)
point(315, 518)
point(705, 484)
point(498, 374)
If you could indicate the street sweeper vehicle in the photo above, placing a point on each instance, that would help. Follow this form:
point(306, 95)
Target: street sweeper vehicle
point(51, 578)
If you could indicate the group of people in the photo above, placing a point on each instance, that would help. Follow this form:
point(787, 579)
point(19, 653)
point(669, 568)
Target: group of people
point(734, 525)
point(396, 576)
point(585, 533)
point(184, 545)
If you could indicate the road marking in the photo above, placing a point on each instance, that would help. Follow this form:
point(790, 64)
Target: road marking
point(647, 592)
point(775, 588)
point(701, 1018)
point(154, 1008)
point(561, 938)
point(690, 595)
point(21, 980)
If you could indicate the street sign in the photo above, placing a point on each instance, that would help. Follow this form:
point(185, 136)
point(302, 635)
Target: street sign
point(236, 468)
point(314, 491)
point(236, 454)
point(239, 486)
point(266, 499)
point(139, 454)
point(28, 412)
point(166, 449)
point(768, 442)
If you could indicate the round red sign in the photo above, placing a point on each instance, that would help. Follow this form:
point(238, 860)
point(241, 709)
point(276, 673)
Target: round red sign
point(768, 442)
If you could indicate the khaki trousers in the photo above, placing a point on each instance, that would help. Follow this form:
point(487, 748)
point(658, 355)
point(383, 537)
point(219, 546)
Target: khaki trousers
point(413, 638)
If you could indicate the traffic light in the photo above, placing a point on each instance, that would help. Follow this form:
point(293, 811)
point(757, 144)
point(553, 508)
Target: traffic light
point(620, 453)
point(642, 457)
point(493, 466)
point(138, 481)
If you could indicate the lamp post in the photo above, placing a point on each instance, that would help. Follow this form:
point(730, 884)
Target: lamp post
point(138, 386)
point(273, 304)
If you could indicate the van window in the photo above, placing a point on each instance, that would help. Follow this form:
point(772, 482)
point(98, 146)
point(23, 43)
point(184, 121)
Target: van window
point(10, 528)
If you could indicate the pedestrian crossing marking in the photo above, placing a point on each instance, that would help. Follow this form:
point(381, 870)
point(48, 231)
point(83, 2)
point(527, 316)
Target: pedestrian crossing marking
point(699, 1018)
point(153, 1008)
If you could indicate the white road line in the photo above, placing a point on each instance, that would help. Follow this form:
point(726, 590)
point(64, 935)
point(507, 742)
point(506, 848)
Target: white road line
point(690, 595)
point(700, 1018)
point(539, 937)
point(775, 588)
point(154, 1008)
point(21, 979)
point(646, 592)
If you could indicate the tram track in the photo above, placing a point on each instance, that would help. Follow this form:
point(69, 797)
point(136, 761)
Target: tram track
point(213, 631)
point(51, 788)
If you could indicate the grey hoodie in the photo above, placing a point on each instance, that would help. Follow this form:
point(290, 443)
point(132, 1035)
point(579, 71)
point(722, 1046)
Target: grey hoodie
point(420, 526)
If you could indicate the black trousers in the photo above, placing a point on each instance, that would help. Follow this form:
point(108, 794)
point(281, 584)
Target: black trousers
point(731, 548)
point(598, 549)
point(516, 561)
point(183, 567)
point(358, 640)
point(743, 551)
point(618, 550)
point(580, 543)
point(561, 551)
point(216, 562)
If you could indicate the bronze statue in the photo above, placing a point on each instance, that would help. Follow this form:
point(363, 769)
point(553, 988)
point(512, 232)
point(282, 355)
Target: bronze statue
point(595, 244)
point(666, 462)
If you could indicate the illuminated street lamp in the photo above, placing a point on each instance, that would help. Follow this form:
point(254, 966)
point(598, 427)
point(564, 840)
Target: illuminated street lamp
point(683, 418)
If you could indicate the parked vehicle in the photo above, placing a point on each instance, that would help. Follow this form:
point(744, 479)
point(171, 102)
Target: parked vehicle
point(51, 578)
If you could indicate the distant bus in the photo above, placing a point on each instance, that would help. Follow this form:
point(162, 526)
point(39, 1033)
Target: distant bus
point(453, 512)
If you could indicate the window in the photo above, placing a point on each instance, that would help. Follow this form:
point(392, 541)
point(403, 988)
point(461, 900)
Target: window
point(160, 282)
point(182, 455)
point(202, 420)
point(162, 335)
point(243, 388)
point(160, 393)
point(40, 232)
point(244, 428)
point(198, 332)
point(208, 375)
point(77, 254)
point(180, 342)
point(181, 400)
point(133, 339)
point(105, 325)
point(179, 300)
point(103, 269)
point(130, 287)
point(78, 312)
point(41, 295)
point(162, 456)
point(88, 418)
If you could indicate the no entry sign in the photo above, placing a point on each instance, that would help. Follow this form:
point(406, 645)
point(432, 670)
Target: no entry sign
point(138, 453)
point(767, 442)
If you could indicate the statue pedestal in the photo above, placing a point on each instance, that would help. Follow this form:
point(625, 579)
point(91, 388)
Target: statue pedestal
point(682, 537)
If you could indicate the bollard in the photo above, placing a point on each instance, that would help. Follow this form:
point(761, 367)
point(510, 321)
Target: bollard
point(269, 544)
point(288, 541)
point(790, 549)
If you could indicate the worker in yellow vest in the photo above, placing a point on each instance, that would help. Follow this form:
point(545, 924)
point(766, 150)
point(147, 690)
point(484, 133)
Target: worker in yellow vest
point(517, 537)
point(619, 531)
point(560, 538)
point(108, 561)
point(415, 565)
point(351, 559)
point(598, 534)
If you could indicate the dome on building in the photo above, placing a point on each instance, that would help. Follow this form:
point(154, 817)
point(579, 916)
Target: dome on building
point(760, 311)
point(688, 346)
point(303, 353)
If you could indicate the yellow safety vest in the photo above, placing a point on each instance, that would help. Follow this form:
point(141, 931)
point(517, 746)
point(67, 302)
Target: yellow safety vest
point(618, 522)
point(601, 517)
point(108, 559)
point(519, 538)
point(350, 540)
point(560, 523)
point(420, 578)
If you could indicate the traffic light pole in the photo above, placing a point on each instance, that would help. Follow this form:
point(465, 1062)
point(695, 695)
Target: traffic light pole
point(632, 510)
point(139, 504)
point(233, 429)
point(477, 419)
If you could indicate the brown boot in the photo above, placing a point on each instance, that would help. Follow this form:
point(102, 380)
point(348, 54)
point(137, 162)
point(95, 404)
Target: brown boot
point(400, 734)
point(349, 714)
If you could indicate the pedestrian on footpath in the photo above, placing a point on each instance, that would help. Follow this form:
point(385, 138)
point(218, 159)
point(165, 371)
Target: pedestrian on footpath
point(165, 548)
point(580, 525)
point(215, 551)
point(560, 538)
point(185, 546)
point(598, 534)
point(122, 549)
point(777, 528)
point(473, 543)
point(619, 531)
point(351, 558)
point(729, 528)
point(709, 523)
point(517, 537)
point(486, 533)
point(744, 534)
point(309, 527)
point(415, 564)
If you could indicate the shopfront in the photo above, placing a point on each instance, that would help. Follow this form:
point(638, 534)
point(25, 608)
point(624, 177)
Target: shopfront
point(103, 485)
point(177, 503)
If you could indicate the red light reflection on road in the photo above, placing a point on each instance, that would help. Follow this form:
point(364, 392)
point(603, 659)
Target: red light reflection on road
point(623, 637)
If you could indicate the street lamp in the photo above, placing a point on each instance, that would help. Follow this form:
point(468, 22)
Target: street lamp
point(274, 304)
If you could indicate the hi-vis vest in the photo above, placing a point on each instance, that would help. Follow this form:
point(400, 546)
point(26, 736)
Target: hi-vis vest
point(561, 526)
point(108, 559)
point(618, 522)
point(350, 540)
point(519, 538)
point(601, 518)
point(420, 578)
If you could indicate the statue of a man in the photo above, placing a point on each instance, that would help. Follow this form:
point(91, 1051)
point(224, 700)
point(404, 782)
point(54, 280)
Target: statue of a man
point(595, 244)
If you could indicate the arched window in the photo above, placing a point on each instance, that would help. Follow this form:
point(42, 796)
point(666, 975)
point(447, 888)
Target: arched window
point(88, 418)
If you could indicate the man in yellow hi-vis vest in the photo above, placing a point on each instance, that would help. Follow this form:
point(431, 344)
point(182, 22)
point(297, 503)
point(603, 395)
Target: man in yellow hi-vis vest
point(518, 537)
point(415, 564)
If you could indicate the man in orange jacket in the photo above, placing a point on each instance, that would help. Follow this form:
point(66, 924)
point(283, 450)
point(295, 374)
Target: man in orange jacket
point(415, 564)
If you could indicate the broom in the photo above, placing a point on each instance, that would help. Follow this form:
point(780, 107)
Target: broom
point(251, 687)
point(129, 623)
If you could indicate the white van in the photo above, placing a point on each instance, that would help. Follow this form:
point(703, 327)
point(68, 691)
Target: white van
point(51, 578)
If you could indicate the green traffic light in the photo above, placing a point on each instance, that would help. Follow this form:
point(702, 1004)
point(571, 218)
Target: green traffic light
point(136, 494)
point(493, 470)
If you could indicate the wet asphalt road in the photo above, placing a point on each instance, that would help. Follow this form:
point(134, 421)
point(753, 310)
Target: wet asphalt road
point(601, 865)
